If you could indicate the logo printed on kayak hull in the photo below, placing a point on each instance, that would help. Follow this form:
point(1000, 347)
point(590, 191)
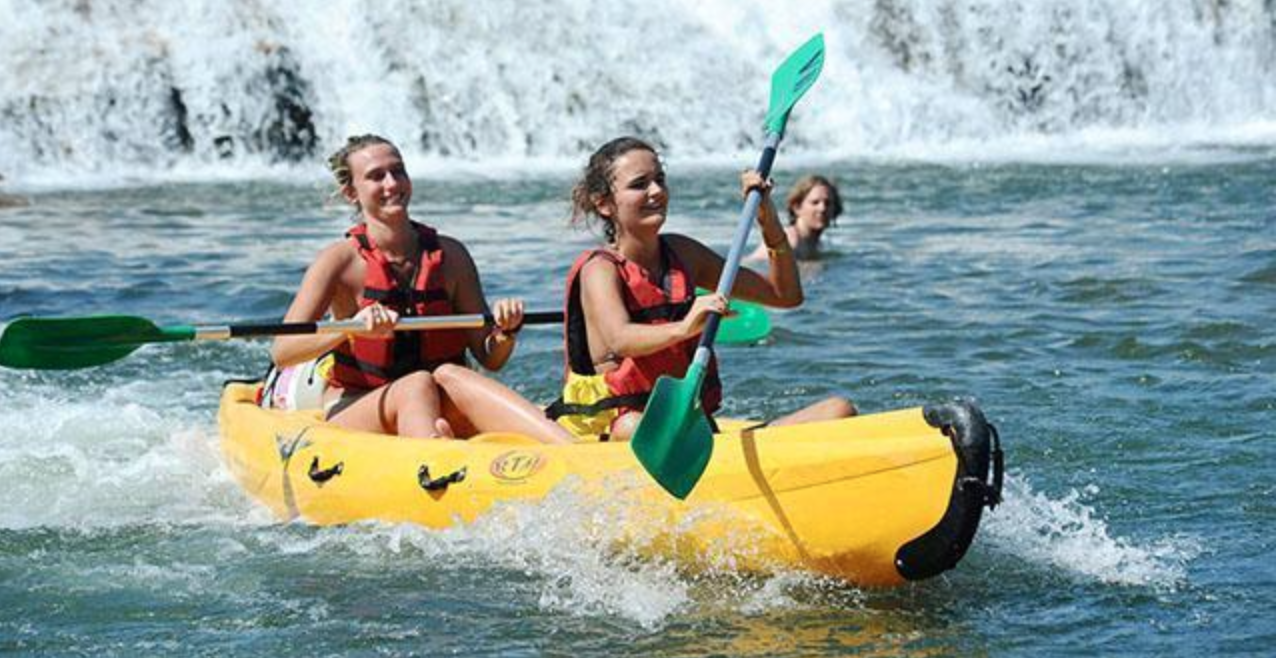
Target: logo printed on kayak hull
point(517, 465)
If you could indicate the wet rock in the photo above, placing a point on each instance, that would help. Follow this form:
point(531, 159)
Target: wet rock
point(12, 200)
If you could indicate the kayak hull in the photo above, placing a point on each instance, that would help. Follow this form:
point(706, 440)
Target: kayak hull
point(875, 500)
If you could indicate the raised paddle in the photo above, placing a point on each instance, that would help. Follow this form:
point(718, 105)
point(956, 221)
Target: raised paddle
point(673, 440)
point(70, 343)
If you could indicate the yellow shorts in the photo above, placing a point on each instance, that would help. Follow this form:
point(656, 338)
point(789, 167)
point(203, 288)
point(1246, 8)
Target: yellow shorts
point(587, 389)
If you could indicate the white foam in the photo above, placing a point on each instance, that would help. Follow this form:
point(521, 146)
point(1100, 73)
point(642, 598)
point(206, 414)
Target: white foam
point(576, 558)
point(93, 455)
point(110, 463)
point(98, 92)
point(1067, 535)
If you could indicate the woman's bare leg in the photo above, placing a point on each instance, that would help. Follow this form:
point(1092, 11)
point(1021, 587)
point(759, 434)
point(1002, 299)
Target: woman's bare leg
point(491, 406)
point(623, 428)
point(461, 426)
point(830, 408)
point(409, 406)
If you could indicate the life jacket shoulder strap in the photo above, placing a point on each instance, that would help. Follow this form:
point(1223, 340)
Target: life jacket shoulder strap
point(577, 352)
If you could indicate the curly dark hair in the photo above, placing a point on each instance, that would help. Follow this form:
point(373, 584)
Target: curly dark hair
point(595, 182)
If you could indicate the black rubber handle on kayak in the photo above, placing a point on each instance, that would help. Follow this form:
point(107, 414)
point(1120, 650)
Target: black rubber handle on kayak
point(320, 476)
point(441, 483)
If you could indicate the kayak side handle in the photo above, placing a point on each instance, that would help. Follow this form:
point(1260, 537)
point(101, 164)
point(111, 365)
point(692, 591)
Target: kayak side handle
point(976, 484)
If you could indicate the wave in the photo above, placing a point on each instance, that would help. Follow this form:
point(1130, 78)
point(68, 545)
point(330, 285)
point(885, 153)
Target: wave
point(1064, 534)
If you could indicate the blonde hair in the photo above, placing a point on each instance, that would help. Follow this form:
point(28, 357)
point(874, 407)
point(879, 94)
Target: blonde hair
point(803, 187)
point(339, 162)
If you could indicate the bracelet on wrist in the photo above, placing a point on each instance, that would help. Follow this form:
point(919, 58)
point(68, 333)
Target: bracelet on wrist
point(498, 336)
point(780, 250)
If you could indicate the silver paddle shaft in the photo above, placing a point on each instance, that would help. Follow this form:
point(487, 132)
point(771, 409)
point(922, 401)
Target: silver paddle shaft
point(748, 216)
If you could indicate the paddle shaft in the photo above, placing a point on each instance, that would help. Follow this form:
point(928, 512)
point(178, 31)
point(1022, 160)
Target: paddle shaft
point(472, 321)
point(674, 439)
point(747, 216)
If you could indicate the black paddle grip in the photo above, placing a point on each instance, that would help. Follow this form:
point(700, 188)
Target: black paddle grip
point(285, 329)
point(765, 162)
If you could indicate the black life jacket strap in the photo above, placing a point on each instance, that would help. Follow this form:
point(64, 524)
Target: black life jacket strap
point(559, 408)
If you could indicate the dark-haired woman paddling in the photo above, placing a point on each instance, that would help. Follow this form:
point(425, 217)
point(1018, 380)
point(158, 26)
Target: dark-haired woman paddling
point(632, 311)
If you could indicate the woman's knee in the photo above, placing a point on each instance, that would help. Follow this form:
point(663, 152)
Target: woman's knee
point(831, 408)
point(623, 428)
point(450, 375)
point(415, 386)
point(839, 407)
point(459, 382)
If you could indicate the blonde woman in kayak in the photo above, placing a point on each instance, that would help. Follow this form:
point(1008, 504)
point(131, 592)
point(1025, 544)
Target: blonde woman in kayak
point(632, 312)
point(410, 383)
point(814, 205)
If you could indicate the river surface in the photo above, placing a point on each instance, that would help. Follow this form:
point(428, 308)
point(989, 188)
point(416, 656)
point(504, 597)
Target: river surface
point(1114, 321)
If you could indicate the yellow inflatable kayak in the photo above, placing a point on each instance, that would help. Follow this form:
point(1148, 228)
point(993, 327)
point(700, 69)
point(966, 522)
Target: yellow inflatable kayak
point(875, 500)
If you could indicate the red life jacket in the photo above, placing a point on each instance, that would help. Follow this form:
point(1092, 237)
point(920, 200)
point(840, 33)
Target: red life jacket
point(647, 303)
point(365, 362)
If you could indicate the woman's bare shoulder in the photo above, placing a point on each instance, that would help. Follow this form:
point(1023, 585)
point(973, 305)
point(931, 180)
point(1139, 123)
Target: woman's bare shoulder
point(337, 254)
point(688, 248)
point(456, 257)
point(451, 245)
point(596, 268)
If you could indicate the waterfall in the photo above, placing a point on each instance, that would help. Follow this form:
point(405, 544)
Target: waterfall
point(138, 86)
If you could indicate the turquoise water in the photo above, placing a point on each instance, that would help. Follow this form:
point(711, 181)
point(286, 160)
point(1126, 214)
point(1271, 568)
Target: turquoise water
point(1113, 320)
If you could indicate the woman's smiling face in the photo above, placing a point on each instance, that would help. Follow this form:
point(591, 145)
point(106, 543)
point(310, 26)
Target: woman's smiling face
point(379, 182)
point(639, 198)
point(813, 211)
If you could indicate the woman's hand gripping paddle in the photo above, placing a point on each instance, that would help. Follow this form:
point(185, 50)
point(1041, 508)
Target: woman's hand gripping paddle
point(746, 323)
point(673, 440)
point(70, 343)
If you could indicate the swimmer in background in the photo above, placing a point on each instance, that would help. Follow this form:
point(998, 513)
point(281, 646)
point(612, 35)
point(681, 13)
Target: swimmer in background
point(814, 205)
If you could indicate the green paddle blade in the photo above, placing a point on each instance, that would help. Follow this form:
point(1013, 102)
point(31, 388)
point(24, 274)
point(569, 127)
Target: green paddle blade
point(748, 324)
point(791, 80)
point(69, 343)
point(673, 440)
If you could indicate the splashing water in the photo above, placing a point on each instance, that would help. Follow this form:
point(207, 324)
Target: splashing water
point(140, 88)
point(1065, 534)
